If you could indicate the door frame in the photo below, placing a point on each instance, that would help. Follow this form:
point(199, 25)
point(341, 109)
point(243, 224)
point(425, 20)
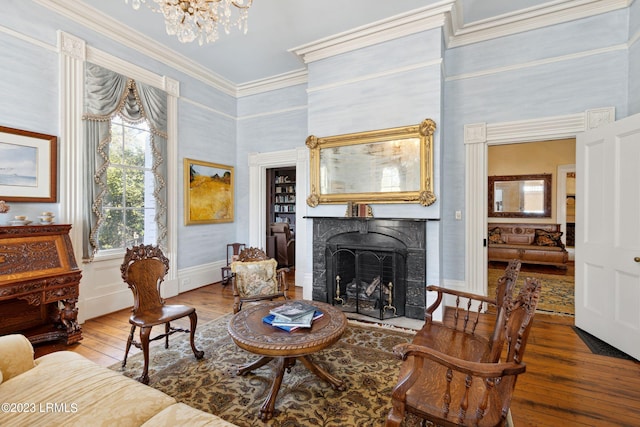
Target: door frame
point(477, 137)
point(258, 165)
point(561, 203)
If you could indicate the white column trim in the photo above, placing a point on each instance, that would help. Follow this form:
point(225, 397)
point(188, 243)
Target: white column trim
point(70, 183)
point(477, 137)
point(172, 87)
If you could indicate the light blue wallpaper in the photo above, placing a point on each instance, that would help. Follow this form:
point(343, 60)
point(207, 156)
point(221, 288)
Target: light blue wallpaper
point(562, 69)
point(211, 138)
point(29, 88)
point(271, 121)
point(634, 59)
point(567, 86)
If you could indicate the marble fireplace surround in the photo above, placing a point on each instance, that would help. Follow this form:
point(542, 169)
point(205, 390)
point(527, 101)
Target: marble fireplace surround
point(411, 232)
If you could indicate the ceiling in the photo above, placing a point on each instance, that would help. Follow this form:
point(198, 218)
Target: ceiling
point(277, 26)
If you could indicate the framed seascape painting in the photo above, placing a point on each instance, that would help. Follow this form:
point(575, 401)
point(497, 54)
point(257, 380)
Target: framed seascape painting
point(28, 166)
point(208, 192)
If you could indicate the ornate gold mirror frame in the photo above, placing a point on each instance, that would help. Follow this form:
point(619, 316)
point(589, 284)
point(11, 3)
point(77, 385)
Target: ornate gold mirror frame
point(383, 166)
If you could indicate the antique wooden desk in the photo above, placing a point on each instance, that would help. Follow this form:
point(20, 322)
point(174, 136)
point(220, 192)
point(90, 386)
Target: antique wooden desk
point(39, 283)
point(250, 333)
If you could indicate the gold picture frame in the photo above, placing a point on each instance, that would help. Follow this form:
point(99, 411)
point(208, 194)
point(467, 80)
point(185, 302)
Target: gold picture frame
point(28, 166)
point(208, 192)
point(392, 165)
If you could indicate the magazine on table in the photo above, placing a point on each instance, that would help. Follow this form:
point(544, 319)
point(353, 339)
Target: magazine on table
point(270, 319)
point(293, 309)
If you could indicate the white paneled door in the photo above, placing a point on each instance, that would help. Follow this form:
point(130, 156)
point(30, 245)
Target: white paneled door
point(607, 261)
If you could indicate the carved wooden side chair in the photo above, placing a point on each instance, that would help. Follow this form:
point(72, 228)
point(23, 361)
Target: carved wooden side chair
point(461, 386)
point(256, 277)
point(233, 251)
point(144, 269)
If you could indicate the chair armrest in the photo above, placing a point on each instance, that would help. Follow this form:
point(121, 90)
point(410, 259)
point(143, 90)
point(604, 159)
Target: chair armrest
point(459, 294)
point(477, 369)
point(16, 356)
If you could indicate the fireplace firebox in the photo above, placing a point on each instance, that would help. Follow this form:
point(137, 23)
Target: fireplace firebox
point(370, 266)
point(366, 274)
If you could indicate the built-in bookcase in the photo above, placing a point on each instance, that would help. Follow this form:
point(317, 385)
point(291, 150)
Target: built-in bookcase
point(282, 196)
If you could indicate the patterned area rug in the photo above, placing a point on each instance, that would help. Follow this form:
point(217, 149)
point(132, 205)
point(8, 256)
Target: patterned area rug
point(362, 358)
point(557, 294)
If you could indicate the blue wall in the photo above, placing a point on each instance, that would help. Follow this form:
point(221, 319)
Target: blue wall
point(30, 101)
point(562, 69)
point(558, 70)
point(634, 59)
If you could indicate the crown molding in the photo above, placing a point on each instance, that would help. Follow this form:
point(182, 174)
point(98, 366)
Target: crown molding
point(107, 26)
point(272, 83)
point(446, 14)
point(397, 26)
point(547, 14)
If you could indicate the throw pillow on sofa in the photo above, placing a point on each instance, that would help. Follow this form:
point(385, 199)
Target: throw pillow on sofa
point(548, 238)
point(495, 236)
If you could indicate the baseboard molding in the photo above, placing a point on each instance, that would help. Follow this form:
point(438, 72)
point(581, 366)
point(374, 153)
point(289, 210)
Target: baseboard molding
point(201, 275)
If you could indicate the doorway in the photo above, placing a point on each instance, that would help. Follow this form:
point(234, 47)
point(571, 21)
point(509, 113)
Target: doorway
point(281, 214)
point(557, 158)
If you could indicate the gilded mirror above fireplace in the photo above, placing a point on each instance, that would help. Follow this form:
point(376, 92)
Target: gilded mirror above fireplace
point(382, 166)
point(520, 196)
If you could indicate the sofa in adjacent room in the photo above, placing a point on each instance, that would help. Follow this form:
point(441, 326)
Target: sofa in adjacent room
point(66, 389)
point(529, 243)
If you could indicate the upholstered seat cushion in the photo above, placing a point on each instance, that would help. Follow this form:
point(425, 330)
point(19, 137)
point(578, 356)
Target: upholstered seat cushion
point(256, 277)
point(184, 415)
point(85, 394)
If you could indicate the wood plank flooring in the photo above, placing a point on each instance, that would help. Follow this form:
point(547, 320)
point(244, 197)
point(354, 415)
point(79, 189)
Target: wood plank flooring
point(565, 384)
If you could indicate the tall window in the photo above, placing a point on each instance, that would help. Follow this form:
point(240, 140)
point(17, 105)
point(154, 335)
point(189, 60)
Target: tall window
point(129, 206)
point(125, 133)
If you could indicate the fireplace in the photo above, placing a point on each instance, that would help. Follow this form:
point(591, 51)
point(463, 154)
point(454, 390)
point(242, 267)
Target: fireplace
point(370, 266)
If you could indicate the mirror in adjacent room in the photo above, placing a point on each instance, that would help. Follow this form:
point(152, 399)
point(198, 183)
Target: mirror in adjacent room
point(520, 196)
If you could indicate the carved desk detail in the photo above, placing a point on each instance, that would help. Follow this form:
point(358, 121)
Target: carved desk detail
point(39, 283)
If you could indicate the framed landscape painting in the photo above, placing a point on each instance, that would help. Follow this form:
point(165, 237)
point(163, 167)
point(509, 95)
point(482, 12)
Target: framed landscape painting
point(208, 192)
point(28, 166)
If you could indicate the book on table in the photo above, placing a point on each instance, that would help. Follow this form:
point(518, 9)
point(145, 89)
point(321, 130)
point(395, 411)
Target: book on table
point(289, 325)
point(293, 309)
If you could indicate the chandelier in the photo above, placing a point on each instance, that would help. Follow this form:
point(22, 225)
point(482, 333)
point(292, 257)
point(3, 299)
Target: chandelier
point(199, 19)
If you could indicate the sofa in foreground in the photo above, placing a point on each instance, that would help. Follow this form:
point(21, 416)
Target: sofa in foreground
point(65, 388)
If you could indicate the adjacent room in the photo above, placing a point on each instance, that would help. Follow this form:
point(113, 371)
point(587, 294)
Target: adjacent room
point(301, 213)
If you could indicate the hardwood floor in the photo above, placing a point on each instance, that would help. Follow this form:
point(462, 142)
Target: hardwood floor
point(565, 384)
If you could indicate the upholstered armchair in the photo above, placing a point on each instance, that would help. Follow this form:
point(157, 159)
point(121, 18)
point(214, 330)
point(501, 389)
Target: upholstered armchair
point(285, 244)
point(256, 277)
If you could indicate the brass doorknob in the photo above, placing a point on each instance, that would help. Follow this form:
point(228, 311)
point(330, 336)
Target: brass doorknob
point(637, 259)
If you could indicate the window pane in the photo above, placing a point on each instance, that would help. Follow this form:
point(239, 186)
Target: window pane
point(135, 227)
point(150, 228)
point(111, 235)
point(115, 187)
point(135, 143)
point(115, 146)
point(135, 188)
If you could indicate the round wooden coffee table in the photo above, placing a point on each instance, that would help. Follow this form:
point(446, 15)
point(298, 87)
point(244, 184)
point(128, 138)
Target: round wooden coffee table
point(250, 333)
